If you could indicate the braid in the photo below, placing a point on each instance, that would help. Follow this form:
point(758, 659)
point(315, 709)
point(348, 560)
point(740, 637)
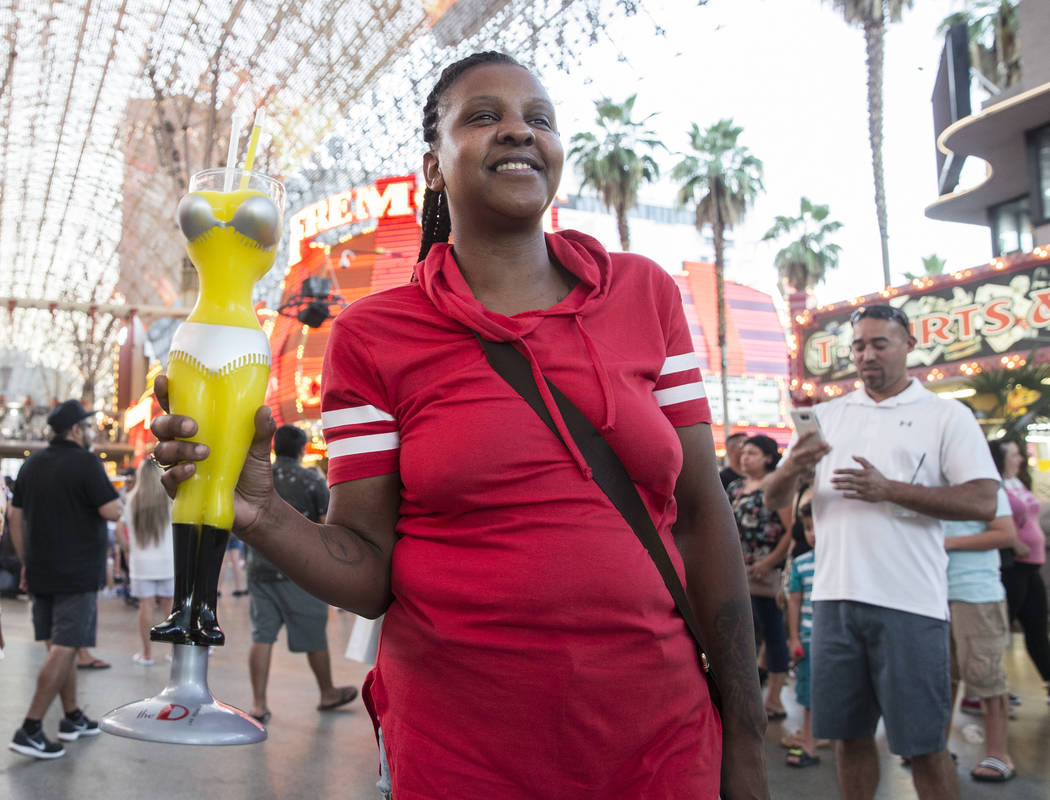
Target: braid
point(436, 222)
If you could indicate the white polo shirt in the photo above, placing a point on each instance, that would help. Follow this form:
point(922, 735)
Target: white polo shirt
point(880, 553)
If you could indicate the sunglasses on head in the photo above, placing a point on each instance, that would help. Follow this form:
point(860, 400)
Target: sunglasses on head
point(880, 312)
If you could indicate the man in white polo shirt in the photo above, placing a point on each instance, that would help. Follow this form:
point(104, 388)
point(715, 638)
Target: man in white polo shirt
point(894, 460)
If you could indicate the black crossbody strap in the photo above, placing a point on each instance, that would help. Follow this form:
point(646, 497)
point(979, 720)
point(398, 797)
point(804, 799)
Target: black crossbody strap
point(609, 473)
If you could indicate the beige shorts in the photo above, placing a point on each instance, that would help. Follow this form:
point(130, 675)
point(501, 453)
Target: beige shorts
point(979, 635)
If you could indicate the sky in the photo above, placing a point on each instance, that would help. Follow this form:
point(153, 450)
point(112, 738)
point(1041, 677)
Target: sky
point(792, 74)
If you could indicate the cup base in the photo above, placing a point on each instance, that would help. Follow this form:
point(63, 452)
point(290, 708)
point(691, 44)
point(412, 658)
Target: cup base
point(185, 711)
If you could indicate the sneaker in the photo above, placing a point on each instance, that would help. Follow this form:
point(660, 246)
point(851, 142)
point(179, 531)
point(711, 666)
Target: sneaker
point(36, 745)
point(138, 658)
point(70, 730)
point(1014, 699)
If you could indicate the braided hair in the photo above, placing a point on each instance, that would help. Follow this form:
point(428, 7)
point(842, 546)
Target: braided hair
point(436, 222)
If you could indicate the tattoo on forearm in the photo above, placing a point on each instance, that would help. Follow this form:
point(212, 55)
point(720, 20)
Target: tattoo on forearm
point(339, 548)
point(734, 653)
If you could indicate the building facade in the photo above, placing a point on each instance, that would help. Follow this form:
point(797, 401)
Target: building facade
point(1010, 132)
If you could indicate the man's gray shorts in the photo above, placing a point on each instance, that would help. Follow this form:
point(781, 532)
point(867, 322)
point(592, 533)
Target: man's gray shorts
point(276, 603)
point(68, 620)
point(870, 661)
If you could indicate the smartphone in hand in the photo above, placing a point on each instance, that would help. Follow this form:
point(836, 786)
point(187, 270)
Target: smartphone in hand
point(805, 420)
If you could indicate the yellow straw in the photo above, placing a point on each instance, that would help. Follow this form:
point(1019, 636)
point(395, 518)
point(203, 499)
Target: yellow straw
point(253, 142)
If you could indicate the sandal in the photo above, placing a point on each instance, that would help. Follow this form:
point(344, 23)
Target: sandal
point(793, 740)
point(95, 663)
point(773, 714)
point(346, 695)
point(797, 757)
point(1003, 772)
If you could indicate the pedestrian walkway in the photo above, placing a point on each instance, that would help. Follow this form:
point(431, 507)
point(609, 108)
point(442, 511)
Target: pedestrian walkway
point(332, 755)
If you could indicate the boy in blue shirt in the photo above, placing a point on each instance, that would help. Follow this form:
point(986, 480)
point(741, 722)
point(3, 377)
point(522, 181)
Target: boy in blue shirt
point(800, 627)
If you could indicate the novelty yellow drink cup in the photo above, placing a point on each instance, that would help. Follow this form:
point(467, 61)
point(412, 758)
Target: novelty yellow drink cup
point(218, 367)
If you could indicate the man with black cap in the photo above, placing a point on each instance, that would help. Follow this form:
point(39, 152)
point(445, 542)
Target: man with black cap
point(61, 502)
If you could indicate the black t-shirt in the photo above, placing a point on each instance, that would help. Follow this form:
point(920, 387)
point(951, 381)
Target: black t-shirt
point(60, 491)
point(728, 475)
point(305, 491)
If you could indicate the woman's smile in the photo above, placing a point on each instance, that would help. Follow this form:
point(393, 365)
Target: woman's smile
point(497, 116)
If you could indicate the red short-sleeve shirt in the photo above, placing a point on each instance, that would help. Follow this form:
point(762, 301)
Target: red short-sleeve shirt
point(531, 649)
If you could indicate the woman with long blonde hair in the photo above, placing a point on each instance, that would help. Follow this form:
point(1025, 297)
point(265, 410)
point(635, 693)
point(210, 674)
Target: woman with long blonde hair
point(147, 518)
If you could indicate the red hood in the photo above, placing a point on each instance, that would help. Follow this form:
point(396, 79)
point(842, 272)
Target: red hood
point(441, 280)
point(443, 283)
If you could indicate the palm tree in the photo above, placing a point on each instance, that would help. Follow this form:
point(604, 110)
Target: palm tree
point(615, 161)
point(1011, 399)
point(991, 27)
point(932, 265)
point(806, 261)
point(721, 178)
point(872, 16)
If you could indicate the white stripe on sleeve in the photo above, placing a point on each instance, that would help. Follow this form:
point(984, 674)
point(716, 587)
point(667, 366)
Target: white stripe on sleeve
point(681, 363)
point(359, 445)
point(353, 416)
point(680, 394)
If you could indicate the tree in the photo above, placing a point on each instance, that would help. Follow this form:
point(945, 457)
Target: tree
point(805, 262)
point(991, 27)
point(872, 16)
point(932, 265)
point(1011, 399)
point(721, 179)
point(615, 162)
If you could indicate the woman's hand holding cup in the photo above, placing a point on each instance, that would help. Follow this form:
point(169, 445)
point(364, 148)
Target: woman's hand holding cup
point(178, 458)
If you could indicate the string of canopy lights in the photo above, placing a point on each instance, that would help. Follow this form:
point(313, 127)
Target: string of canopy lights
point(110, 105)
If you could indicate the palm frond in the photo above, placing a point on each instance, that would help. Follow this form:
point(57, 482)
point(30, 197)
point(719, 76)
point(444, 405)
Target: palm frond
point(717, 159)
point(805, 262)
point(616, 159)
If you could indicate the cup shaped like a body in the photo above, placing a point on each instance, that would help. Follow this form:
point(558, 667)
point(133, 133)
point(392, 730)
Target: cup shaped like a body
point(219, 361)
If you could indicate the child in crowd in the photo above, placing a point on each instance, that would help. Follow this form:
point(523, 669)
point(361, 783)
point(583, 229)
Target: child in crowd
point(980, 627)
point(800, 627)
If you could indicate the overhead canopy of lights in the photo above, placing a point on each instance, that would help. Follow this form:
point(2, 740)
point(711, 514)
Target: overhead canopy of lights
point(110, 105)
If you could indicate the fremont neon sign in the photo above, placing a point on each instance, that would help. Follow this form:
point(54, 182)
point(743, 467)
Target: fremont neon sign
point(397, 198)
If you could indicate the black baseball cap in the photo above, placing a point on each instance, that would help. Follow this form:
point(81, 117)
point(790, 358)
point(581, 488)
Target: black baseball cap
point(65, 415)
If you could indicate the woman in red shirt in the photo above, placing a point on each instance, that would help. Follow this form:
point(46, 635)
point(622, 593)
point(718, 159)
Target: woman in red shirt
point(529, 647)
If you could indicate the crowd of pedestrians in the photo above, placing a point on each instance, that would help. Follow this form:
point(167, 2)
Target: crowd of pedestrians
point(914, 490)
point(488, 679)
point(60, 515)
point(901, 598)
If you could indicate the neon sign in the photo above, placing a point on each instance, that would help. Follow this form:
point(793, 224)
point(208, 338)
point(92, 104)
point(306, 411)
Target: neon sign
point(987, 316)
point(396, 198)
